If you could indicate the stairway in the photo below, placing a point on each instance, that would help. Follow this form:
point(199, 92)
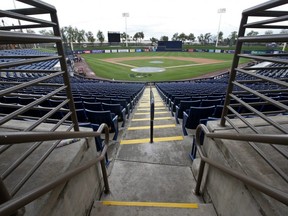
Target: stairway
point(152, 178)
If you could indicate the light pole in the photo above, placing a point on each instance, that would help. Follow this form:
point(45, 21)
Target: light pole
point(125, 15)
point(220, 11)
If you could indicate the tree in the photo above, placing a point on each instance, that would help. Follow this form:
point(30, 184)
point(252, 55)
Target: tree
point(69, 35)
point(136, 36)
point(123, 37)
point(90, 37)
point(141, 35)
point(153, 40)
point(175, 37)
point(30, 31)
point(201, 39)
point(220, 36)
point(164, 38)
point(191, 37)
point(80, 35)
point(43, 32)
point(100, 37)
point(233, 38)
point(283, 31)
point(182, 37)
point(252, 33)
point(207, 38)
point(268, 32)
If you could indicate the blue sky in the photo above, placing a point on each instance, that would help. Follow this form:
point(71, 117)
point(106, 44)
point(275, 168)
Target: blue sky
point(154, 17)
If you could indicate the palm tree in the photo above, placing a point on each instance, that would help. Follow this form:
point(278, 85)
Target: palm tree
point(164, 38)
point(207, 38)
point(100, 37)
point(191, 37)
point(90, 37)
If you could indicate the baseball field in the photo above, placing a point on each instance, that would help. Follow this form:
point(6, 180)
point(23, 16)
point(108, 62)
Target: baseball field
point(157, 66)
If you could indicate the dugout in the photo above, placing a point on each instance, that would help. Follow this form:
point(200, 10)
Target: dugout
point(172, 46)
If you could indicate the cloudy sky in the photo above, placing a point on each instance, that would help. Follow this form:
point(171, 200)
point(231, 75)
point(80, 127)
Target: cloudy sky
point(154, 17)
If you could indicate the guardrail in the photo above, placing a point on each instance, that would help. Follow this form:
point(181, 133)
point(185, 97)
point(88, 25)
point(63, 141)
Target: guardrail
point(264, 188)
point(10, 205)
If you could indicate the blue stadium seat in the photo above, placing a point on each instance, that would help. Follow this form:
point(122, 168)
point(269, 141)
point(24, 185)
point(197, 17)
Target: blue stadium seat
point(118, 110)
point(192, 116)
point(99, 117)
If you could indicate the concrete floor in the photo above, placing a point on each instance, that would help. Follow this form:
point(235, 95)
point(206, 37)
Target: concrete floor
point(152, 172)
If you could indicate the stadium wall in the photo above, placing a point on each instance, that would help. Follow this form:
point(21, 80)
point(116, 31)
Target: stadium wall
point(152, 49)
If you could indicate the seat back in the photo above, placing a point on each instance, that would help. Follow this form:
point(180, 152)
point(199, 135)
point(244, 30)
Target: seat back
point(197, 113)
point(184, 105)
point(103, 100)
point(99, 117)
point(26, 100)
point(114, 108)
point(211, 102)
point(88, 99)
point(81, 115)
point(95, 106)
point(177, 100)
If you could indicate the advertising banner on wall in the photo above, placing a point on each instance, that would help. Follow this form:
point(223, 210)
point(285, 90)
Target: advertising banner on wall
point(107, 51)
point(132, 50)
point(123, 50)
point(97, 51)
point(138, 50)
point(114, 51)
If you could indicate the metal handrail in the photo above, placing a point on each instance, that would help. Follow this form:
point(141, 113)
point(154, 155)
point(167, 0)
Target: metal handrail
point(152, 113)
point(264, 188)
point(9, 207)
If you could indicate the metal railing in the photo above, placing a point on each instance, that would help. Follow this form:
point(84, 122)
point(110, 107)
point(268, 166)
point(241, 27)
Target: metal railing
point(52, 82)
point(20, 80)
point(152, 113)
point(10, 205)
point(255, 82)
point(266, 189)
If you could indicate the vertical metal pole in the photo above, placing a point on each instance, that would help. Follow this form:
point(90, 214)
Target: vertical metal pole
point(233, 71)
point(152, 107)
point(4, 194)
point(126, 30)
point(105, 177)
point(200, 176)
point(221, 10)
point(63, 63)
point(218, 30)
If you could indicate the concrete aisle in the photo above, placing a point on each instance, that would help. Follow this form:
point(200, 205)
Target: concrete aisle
point(152, 178)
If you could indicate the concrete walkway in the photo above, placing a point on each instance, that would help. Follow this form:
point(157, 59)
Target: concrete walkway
point(152, 178)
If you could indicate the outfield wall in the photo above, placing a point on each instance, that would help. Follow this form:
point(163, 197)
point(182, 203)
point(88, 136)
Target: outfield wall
point(152, 49)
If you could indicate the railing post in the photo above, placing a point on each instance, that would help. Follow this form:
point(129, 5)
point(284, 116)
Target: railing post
point(152, 110)
point(4, 194)
point(105, 177)
point(200, 176)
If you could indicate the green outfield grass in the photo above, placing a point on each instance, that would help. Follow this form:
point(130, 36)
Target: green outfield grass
point(121, 72)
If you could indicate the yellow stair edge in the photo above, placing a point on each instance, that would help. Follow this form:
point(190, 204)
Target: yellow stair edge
point(148, 119)
point(151, 204)
point(148, 127)
point(147, 140)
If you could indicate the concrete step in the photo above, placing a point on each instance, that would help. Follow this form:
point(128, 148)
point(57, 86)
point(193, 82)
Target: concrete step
point(148, 209)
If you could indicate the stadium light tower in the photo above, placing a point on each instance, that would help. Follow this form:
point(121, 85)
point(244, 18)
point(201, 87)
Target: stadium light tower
point(220, 11)
point(125, 15)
